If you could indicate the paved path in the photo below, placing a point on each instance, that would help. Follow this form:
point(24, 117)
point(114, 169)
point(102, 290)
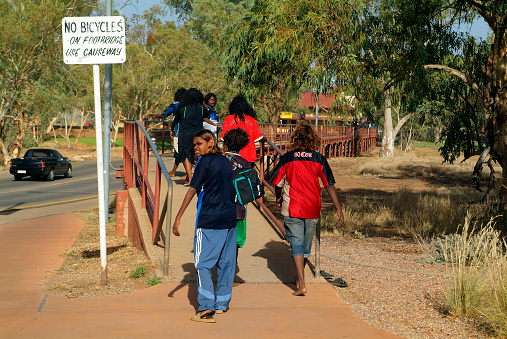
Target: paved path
point(262, 307)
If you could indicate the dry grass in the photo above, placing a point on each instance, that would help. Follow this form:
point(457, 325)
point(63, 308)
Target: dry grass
point(80, 273)
point(476, 264)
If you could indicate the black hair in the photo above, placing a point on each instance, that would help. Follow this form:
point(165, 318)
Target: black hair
point(192, 96)
point(236, 139)
point(240, 107)
point(178, 95)
point(209, 96)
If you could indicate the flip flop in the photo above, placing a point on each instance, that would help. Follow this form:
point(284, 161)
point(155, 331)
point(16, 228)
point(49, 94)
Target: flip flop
point(204, 317)
point(340, 282)
point(221, 311)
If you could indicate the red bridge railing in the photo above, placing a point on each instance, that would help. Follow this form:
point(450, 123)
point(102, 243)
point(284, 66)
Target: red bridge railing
point(136, 160)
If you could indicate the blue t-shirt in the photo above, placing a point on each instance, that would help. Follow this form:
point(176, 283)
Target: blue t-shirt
point(170, 110)
point(212, 179)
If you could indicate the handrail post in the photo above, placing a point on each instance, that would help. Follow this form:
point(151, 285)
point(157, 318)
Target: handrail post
point(168, 230)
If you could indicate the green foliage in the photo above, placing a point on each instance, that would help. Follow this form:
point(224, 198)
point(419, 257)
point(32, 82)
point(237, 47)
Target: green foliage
point(154, 281)
point(138, 272)
point(459, 108)
point(32, 73)
point(281, 45)
point(160, 64)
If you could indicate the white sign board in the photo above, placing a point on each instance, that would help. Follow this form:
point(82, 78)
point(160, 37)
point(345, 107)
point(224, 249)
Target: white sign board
point(94, 40)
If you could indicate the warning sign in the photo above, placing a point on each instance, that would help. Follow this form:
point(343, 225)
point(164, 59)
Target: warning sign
point(94, 40)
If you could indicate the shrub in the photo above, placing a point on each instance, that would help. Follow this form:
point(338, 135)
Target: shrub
point(477, 267)
point(154, 281)
point(138, 272)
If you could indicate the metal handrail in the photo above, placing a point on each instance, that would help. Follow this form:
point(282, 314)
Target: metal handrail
point(141, 166)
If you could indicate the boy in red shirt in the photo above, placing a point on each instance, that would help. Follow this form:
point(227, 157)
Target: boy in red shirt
point(298, 193)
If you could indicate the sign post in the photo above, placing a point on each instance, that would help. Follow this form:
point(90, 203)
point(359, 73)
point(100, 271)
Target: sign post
point(96, 40)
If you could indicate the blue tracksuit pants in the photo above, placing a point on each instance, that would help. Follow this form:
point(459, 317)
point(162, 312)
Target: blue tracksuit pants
point(214, 247)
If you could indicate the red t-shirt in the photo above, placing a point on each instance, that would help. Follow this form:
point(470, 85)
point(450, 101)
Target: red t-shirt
point(298, 172)
point(251, 128)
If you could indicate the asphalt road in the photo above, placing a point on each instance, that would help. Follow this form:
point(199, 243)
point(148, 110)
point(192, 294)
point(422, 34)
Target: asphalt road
point(31, 198)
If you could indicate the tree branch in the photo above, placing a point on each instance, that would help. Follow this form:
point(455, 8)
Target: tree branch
point(400, 123)
point(476, 175)
point(458, 74)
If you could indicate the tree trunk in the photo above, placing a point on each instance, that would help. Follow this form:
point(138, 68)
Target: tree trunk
point(51, 123)
point(20, 137)
point(387, 148)
point(496, 100)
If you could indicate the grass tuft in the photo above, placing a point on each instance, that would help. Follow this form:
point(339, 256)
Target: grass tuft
point(138, 272)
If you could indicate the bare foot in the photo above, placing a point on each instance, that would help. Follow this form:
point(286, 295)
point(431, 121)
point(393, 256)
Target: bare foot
point(300, 292)
point(297, 283)
point(172, 174)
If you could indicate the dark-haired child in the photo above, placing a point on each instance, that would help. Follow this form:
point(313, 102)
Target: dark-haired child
point(215, 228)
point(242, 115)
point(234, 141)
point(298, 193)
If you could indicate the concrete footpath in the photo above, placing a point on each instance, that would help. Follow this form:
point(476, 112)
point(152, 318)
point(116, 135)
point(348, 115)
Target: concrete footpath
point(30, 251)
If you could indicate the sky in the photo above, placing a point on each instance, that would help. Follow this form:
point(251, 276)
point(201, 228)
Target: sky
point(139, 6)
point(479, 29)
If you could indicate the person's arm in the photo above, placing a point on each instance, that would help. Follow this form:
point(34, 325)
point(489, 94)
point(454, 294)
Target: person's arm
point(278, 193)
point(186, 201)
point(209, 121)
point(331, 190)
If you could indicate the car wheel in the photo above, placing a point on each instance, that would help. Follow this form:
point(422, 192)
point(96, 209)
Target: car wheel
point(18, 177)
point(68, 174)
point(51, 175)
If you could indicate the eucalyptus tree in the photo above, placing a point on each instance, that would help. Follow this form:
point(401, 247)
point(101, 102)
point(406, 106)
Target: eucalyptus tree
point(31, 65)
point(395, 39)
point(458, 107)
point(490, 83)
point(161, 58)
point(207, 19)
point(281, 45)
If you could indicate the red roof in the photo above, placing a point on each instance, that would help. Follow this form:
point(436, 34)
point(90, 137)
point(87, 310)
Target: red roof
point(308, 100)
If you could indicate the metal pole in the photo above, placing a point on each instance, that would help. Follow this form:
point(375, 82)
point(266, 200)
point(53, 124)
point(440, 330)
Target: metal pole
point(100, 176)
point(316, 109)
point(108, 81)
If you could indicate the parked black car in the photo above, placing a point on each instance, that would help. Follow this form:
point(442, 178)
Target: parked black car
point(41, 163)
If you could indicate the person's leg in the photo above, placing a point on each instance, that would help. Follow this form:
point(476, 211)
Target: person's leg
point(188, 169)
point(206, 256)
point(226, 269)
point(299, 263)
point(241, 232)
point(295, 232)
point(175, 167)
point(310, 226)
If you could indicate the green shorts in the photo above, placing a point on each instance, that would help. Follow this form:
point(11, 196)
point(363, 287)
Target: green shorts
point(241, 232)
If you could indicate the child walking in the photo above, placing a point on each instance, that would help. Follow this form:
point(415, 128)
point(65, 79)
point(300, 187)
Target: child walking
point(234, 141)
point(298, 193)
point(215, 229)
